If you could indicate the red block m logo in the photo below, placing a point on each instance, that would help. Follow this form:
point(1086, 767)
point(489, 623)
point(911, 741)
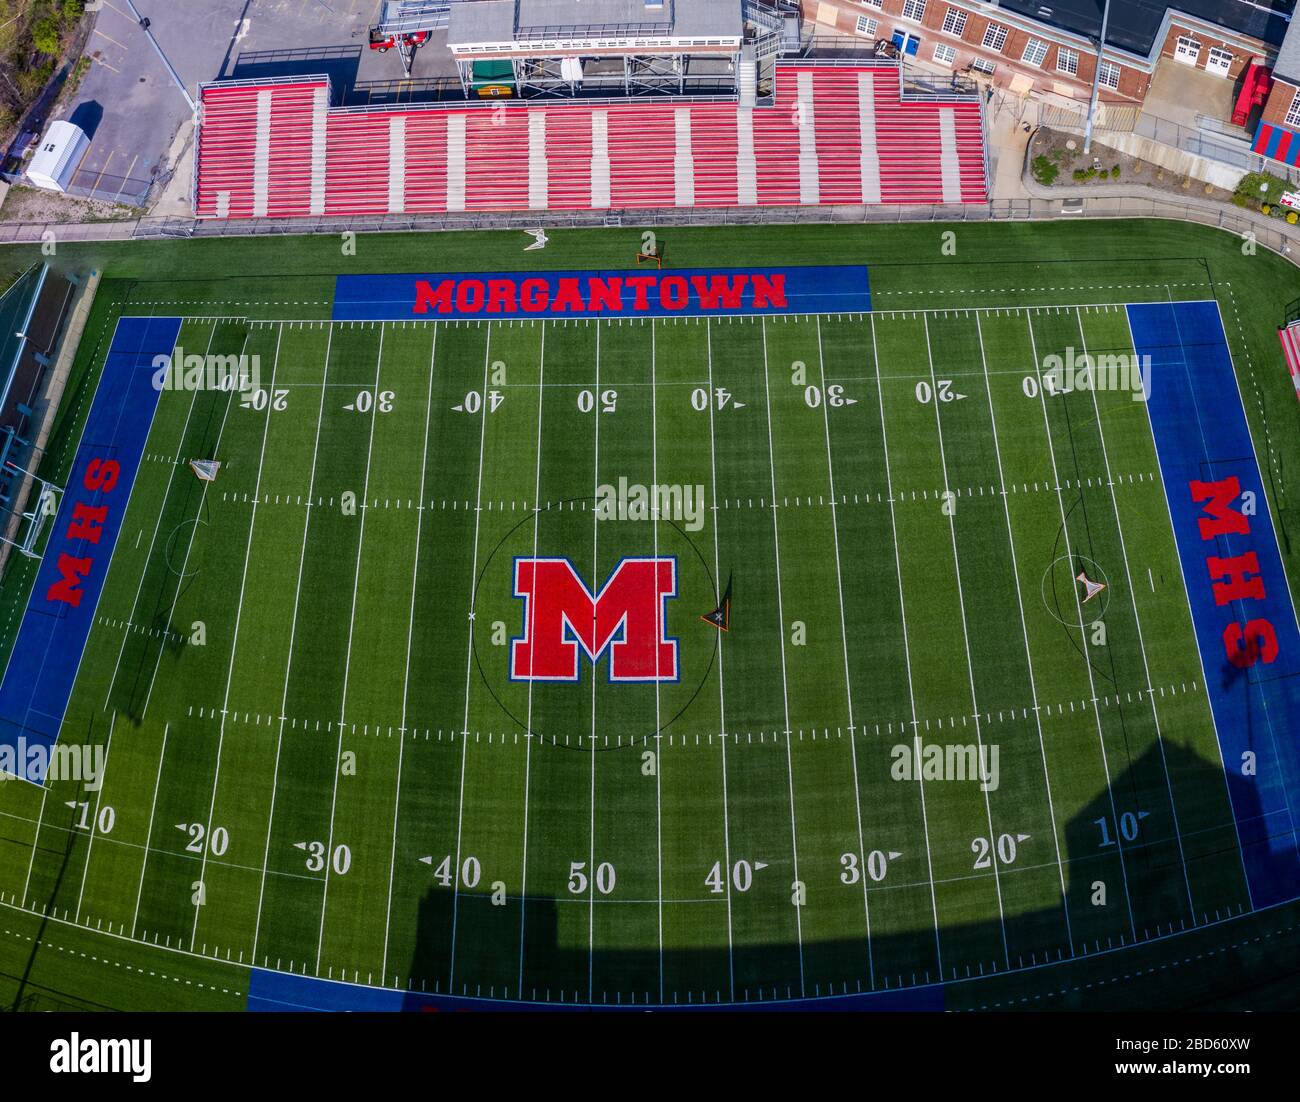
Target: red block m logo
point(626, 618)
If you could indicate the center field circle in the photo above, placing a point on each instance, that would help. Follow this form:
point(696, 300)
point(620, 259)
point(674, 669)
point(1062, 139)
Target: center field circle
point(595, 712)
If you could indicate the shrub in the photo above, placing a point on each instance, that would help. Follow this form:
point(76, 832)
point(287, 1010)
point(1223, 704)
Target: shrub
point(46, 36)
point(1292, 217)
point(1044, 170)
point(1114, 172)
point(1266, 208)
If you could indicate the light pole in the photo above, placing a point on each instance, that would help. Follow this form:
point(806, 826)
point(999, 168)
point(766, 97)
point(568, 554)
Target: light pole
point(1096, 80)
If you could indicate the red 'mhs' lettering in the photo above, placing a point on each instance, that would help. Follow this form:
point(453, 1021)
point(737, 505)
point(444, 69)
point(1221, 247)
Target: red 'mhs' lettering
point(1236, 578)
point(101, 474)
point(68, 586)
point(87, 522)
point(626, 617)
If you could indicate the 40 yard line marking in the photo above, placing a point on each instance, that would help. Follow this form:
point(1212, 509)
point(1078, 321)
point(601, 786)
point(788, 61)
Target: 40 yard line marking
point(844, 647)
point(785, 693)
point(406, 676)
point(907, 647)
point(469, 668)
point(293, 629)
point(234, 646)
point(970, 669)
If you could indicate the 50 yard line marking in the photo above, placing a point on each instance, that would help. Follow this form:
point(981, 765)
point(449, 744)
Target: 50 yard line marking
point(406, 676)
point(234, 646)
point(293, 629)
point(785, 692)
point(970, 669)
point(347, 661)
point(469, 667)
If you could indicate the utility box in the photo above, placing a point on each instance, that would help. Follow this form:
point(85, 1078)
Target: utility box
point(56, 158)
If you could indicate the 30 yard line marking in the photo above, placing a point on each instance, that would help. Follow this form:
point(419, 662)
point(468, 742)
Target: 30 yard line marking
point(722, 694)
point(965, 634)
point(1024, 628)
point(469, 668)
point(406, 676)
point(844, 647)
point(785, 691)
point(347, 661)
point(1083, 631)
point(293, 629)
point(234, 646)
point(907, 648)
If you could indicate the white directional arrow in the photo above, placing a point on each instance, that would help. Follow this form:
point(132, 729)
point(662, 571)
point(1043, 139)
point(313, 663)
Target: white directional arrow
point(459, 409)
point(72, 804)
point(426, 860)
point(300, 845)
point(1022, 837)
point(894, 853)
point(183, 826)
point(737, 405)
point(850, 401)
point(350, 407)
point(759, 865)
point(1143, 814)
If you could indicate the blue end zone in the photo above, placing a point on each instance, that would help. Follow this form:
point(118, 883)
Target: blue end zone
point(1202, 435)
point(681, 293)
point(270, 991)
point(38, 681)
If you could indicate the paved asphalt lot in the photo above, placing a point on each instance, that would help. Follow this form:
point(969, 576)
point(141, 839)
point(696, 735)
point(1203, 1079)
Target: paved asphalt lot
point(132, 109)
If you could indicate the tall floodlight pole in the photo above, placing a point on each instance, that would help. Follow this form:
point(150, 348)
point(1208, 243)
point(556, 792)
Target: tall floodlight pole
point(1096, 80)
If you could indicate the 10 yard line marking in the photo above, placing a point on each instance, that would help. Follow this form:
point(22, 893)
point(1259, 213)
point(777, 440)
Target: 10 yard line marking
point(469, 667)
point(785, 694)
point(205, 841)
point(293, 630)
point(1024, 628)
point(907, 647)
point(844, 646)
point(1083, 631)
point(347, 661)
point(970, 669)
point(406, 677)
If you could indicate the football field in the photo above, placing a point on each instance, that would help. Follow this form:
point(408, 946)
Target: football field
point(915, 754)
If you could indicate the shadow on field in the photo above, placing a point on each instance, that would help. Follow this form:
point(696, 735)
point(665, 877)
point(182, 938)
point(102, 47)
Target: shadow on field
point(1152, 883)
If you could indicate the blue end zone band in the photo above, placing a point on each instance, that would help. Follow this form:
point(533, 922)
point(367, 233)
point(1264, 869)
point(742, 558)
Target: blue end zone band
point(1202, 435)
point(678, 293)
point(270, 991)
point(38, 681)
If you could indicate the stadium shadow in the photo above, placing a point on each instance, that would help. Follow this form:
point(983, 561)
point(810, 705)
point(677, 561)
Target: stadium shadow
point(1153, 884)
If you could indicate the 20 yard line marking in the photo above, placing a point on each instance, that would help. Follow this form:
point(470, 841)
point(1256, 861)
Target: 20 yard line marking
point(406, 677)
point(469, 668)
point(970, 669)
point(293, 629)
point(785, 693)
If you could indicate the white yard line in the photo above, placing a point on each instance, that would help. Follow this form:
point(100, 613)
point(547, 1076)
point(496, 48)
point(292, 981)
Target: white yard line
point(1024, 628)
point(347, 661)
point(595, 581)
point(907, 647)
point(529, 736)
point(965, 634)
point(293, 630)
point(1137, 621)
point(469, 668)
point(148, 839)
point(1083, 631)
point(844, 647)
point(406, 676)
point(36, 837)
point(94, 817)
point(785, 690)
point(659, 811)
point(234, 645)
point(722, 695)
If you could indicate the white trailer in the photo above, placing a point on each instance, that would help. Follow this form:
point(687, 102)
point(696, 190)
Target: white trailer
point(56, 159)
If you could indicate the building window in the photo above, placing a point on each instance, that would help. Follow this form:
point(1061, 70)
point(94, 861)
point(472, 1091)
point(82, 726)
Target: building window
point(943, 54)
point(995, 37)
point(913, 9)
point(872, 3)
point(1219, 61)
point(1293, 112)
point(1035, 52)
point(954, 22)
point(1067, 61)
point(1109, 75)
point(1187, 50)
point(867, 26)
point(983, 65)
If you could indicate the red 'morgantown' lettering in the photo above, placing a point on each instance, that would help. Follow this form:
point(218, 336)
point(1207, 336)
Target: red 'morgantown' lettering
point(535, 295)
point(720, 291)
point(101, 474)
point(1245, 648)
point(428, 297)
point(674, 294)
point(1238, 587)
point(87, 522)
point(641, 285)
point(501, 296)
point(769, 291)
point(568, 299)
point(1224, 519)
point(68, 587)
point(469, 296)
point(626, 617)
point(606, 294)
